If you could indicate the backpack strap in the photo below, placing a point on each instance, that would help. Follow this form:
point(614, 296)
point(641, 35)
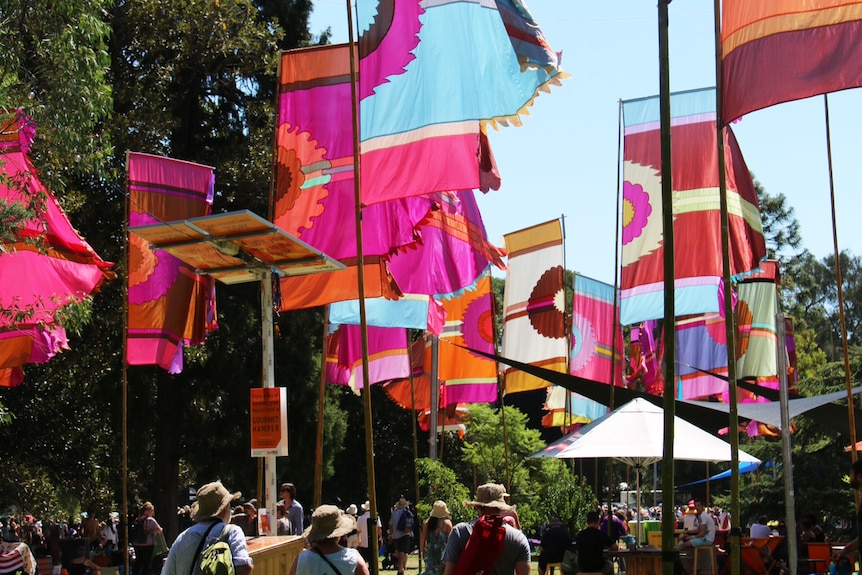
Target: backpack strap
point(319, 552)
point(200, 548)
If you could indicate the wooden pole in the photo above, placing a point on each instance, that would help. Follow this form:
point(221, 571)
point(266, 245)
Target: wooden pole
point(667, 470)
point(851, 417)
point(321, 404)
point(366, 386)
point(415, 437)
point(729, 323)
point(125, 383)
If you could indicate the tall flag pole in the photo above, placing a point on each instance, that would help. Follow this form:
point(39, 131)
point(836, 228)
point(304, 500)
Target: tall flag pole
point(124, 403)
point(729, 316)
point(321, 402)
point(669, 276)
point(366, 386)
point(838, 280)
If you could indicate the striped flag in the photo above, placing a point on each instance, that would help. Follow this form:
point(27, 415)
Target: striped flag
point(534, 329)
point(783, 50)
point(168, 303)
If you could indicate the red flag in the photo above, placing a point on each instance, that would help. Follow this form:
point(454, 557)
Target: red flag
point(784, 50)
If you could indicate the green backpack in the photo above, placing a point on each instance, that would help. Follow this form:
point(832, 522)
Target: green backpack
point(216, 559)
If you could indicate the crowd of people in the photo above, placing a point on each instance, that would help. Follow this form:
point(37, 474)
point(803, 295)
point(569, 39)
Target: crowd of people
point(340, 539)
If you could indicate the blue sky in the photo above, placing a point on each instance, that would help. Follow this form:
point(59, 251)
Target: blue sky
point(563, 160)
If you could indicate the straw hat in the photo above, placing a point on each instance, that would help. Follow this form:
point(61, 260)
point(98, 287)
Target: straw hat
point(211, 500)
point(366, 506)
point(402, 502)
point(328, 521)
point(351, 510)
point(440, 511)
point(490, 495)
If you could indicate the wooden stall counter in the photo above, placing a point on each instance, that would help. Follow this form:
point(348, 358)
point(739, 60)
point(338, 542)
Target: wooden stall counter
point(274, 555)
point(643, 561)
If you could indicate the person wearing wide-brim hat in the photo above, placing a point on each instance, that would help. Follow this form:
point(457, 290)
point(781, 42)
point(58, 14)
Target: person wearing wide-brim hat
point(211, 513)
point(324, 554)
point(490, 502)
point(432, 539)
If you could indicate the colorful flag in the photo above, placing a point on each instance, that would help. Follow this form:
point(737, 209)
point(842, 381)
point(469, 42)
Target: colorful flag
point(411, 311)
point(414, 140)
point(387, 355)
point(566, 408)
point(697, 229)
point(701, 345)
point(429, 77)
point(451, 248)
point(468, 377)
point(645, 358)
point(785, 50)
point(534, 328)
point(47, 266)
point(303, 292)
point(757, 338)
point(594, 328)
point(168, 303)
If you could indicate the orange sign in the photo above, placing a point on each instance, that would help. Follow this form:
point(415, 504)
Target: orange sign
point(268, 421)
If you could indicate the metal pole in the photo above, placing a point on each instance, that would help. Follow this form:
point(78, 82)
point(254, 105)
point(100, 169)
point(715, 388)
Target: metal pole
point(268, 377)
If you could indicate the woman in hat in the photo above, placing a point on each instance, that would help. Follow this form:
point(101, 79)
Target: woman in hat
point(324, 554)
point(432, 540)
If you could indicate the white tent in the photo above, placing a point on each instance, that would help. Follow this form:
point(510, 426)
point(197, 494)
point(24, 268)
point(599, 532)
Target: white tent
point(634, 434)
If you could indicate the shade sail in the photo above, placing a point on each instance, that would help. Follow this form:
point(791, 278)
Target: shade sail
point(634, 434)
point(770, 413)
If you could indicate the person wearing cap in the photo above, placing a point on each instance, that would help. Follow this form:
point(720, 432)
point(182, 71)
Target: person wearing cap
point(515, 555)
point(211, 513)
point(324, 554)
point(352, 537)
point(292, 508)
point(362, 531)
point(432, 539)
point(400, 539)
point(249, 524)
point(703, 533)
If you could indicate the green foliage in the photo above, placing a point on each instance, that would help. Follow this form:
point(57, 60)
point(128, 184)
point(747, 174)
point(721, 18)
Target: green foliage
point(54, 65)
point(436, 481)
point(484, 447)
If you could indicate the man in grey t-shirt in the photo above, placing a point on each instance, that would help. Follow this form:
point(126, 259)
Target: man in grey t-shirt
point(515, 556)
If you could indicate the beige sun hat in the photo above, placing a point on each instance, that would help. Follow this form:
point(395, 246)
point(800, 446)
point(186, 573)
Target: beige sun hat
point(366, 506)
point(440, 511)
point(490, 495)
point(211, 500)
point(328, 521)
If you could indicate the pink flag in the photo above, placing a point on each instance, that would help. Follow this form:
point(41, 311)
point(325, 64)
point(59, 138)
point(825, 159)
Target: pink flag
point(168, 303)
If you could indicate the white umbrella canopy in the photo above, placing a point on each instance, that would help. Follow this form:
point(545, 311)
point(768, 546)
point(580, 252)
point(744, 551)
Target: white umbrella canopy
point(634, 434)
